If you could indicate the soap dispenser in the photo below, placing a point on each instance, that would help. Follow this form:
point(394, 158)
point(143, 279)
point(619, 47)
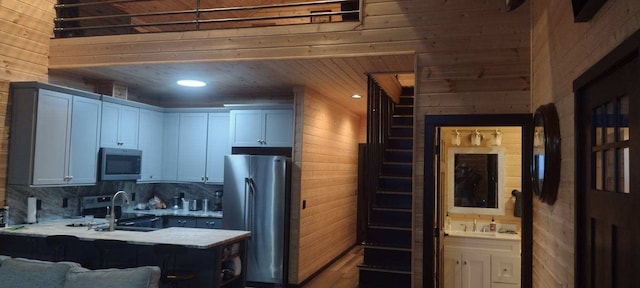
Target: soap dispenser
point(492, 225)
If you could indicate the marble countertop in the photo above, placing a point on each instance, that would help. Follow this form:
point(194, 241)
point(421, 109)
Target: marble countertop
point(190, 237)
point(173, 212)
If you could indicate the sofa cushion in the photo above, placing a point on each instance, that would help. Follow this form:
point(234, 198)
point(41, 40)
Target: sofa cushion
point(27, 273)
point(139, 277)
point(2, 258)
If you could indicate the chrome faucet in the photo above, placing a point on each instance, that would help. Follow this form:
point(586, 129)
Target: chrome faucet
point(112, 215)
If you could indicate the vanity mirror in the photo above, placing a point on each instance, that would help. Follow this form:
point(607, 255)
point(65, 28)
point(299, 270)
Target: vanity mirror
point(475, 180)
point(545, 167)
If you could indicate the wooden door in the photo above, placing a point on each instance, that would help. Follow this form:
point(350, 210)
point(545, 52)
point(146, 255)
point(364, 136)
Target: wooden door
point(608, 159)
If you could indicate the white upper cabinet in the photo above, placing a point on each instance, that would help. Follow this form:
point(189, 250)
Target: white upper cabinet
point(192, 147)
point(53, 130)
point(170, 148)
point(150, 141)
point(85, 139)
point(261, 128)
point(217, 146)
point(65, 138)
point(119, 126)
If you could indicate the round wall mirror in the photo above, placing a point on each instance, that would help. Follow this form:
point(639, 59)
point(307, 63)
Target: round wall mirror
point(545, 167)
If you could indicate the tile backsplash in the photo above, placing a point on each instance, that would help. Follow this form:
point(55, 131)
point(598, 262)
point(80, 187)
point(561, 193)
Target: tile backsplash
point(52, 198)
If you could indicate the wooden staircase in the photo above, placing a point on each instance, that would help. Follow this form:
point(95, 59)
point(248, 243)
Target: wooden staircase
point(387, 245)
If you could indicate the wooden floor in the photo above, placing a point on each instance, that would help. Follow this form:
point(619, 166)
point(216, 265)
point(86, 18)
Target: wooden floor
point(341, 274)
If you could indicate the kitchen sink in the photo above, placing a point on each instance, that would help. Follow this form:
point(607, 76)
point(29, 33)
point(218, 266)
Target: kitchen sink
point(138, 229)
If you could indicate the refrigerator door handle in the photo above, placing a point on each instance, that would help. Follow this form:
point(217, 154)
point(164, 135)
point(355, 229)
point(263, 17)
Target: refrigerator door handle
point(249, 197)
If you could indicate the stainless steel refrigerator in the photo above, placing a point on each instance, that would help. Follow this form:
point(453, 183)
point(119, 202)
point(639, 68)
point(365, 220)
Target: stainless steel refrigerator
point(255, 198)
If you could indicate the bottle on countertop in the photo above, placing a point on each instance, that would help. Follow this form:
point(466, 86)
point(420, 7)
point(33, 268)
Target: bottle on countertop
point(492, 225)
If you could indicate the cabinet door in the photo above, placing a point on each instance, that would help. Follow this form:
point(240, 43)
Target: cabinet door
point(278, 128)
point(246, 128)
point(119, 127)
point(170, 147)
point(217, 146)
point(85, 139)
point(452, 269)
point(128, 130)
point(505, 269)
point(476, 270)
point(209, 223)
point(192, 147)
point(53, 128)
point(109, 125)
point(150, 141)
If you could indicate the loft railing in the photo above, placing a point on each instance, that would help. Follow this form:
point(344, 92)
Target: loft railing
point(75, 18)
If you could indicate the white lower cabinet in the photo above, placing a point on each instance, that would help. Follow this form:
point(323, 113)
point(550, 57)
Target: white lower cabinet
point(467, 269)
point(481, 263)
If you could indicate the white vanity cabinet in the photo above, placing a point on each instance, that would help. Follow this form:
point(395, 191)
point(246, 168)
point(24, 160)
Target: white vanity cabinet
point(471, 262)
point(63, 130)
point(261, 128)
point(467, 269)
point(119, 126)
point(150, 141)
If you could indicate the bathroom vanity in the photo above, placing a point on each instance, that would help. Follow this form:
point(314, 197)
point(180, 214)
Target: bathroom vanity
point(481, 260)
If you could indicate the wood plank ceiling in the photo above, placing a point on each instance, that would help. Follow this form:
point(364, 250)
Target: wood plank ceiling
point(245, 81)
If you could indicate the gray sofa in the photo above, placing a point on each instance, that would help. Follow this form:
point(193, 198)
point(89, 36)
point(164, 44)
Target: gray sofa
point(27, 273)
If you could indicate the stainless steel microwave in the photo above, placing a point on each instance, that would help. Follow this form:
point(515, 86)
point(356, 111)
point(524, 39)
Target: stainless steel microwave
point(119, 164)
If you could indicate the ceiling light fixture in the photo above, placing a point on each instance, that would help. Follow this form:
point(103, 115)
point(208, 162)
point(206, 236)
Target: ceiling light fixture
point(356, 96)
point(191, 83)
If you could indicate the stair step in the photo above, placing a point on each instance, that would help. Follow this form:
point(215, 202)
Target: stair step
point(407, 92)
point(400, 218)
point(397, 169)
point(398, 155)
point(401, 131)
point(400, 184)
point(402, 120)
point(390, 259)
point(399, 143)
point(393, 201)
point(386, 247)
point(383, 192)
point(403, 110)
point(406, 100)
point(389, 236)
point(379, 277)
point(377, 268)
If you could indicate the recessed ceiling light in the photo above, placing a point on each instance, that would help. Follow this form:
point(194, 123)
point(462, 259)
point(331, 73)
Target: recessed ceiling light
point(191, 83)
point(356, 96)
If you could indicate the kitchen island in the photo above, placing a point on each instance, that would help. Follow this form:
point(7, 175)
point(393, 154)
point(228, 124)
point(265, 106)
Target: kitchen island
point(208, 249)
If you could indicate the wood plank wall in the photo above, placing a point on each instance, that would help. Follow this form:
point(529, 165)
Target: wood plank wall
point(562, 51)
point(472, 57)
point(329, 180)
point(25, 29)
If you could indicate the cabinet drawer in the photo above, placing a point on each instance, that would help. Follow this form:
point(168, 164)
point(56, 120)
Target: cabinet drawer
point(209, 223)
point(176, 221)
point(505, 269)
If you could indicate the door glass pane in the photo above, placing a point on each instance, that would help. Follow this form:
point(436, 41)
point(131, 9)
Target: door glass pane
point(609, 170)
point(610, 122)
point(597, 126)
point(623, 159)
point(624, 118)
point(599, 169)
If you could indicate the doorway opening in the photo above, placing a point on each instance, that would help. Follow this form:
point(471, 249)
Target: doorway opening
point(476, 169)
